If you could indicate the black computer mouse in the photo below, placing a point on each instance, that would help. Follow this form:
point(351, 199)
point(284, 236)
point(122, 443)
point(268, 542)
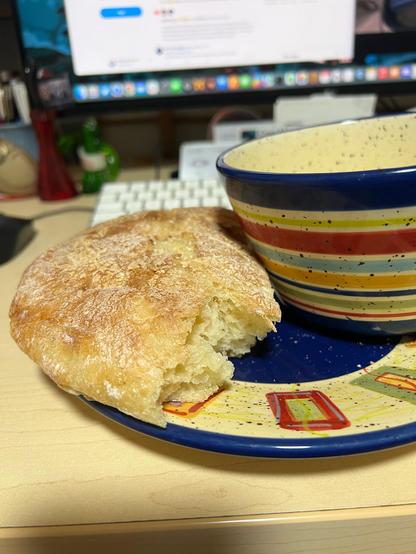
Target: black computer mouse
point(15, 234)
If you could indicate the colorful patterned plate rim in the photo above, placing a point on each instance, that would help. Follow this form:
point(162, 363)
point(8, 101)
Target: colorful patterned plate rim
point(301, 393)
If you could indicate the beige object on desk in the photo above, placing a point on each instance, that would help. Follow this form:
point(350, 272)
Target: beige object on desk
point(73, 482)
point(18, 172)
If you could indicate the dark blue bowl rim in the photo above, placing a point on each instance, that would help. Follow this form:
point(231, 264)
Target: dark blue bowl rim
point(359, 443)
point(268, 177)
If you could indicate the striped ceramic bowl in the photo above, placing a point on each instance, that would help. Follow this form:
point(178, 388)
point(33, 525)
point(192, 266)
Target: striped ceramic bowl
point(331, 212)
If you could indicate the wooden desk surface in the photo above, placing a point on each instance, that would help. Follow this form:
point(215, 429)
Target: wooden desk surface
point(65, 469)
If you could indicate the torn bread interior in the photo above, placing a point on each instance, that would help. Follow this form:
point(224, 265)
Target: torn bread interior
point(145, 309)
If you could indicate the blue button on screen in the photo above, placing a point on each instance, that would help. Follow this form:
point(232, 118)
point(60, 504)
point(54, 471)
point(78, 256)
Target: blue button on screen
point(132, 11)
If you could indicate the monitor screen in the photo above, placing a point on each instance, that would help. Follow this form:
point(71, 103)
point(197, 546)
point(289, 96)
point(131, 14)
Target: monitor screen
point(200, 34)
point(165, 53)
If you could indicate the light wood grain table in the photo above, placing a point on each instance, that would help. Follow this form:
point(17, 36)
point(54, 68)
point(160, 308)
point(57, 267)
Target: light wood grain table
point(72, 481)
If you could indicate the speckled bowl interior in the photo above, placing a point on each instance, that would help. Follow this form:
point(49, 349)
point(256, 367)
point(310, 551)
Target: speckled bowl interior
point(331, 212)
point(365, 145)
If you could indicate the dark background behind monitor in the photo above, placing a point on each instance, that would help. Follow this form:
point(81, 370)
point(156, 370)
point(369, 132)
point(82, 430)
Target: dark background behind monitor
point(10, 53)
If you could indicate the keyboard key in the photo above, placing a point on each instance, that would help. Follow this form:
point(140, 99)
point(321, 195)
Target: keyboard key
point(200, 193)
point(108, 197)
point(156, 185)
point(209, 201)
point(109, 206)
point(174, 184)
point(191, 184)
point(152, 205)
point(127, 196)
point(139, 186)
point(171, 204)
point(211, 183)
point(133, 207)
point(145, 195)
point(181, 194)
point(164, 194)
point(191, 203)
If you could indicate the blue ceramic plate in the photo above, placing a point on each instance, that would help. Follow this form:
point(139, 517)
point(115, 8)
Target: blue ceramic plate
point(301, 393)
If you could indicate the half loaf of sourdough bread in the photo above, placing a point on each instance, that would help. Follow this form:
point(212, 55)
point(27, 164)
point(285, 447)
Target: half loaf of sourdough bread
point(145, 308)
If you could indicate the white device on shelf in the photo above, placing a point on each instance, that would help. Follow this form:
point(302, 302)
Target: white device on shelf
point(118, 198)
point(197, 158)
point(320, 109)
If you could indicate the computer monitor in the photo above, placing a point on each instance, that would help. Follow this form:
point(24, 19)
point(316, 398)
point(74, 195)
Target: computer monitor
point(113, 54)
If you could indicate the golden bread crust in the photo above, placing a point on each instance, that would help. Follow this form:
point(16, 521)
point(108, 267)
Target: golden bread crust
point(106, 313)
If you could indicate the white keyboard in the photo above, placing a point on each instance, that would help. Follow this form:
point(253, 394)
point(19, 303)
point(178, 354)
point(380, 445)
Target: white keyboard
point(117, 199)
